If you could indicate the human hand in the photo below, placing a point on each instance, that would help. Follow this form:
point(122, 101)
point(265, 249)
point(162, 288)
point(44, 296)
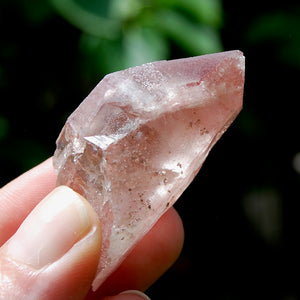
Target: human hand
point(50, 240)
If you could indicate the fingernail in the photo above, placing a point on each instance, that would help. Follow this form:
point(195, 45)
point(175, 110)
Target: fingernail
point(139, 294)
point(51, 229)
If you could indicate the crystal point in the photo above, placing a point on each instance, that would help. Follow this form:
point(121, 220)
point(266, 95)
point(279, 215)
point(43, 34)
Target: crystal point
point(140, 137)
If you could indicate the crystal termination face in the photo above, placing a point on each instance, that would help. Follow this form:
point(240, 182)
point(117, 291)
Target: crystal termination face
point(138, 140)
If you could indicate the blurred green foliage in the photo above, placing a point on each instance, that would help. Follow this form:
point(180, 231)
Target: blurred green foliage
point(117, 34)
point(57, 50)
point(241, 213)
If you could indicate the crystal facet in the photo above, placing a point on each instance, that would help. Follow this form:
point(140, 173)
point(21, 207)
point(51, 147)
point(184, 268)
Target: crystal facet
point(140, 137)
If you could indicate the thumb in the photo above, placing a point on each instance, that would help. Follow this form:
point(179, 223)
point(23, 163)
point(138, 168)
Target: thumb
point(55, 252)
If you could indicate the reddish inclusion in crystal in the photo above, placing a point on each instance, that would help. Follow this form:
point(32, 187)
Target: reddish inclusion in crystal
point(138, 140)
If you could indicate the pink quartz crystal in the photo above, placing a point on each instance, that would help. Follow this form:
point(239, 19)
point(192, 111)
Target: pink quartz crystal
point(140, 137)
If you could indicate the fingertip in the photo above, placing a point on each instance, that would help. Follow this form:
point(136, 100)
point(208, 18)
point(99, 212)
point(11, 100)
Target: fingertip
point(135, 294)
point(129, 295)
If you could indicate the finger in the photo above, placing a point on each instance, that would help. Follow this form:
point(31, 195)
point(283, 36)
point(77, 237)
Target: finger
point(171, 224)
point(128, 295)
point(150, 258)
point(19, 197)
point(55, 252)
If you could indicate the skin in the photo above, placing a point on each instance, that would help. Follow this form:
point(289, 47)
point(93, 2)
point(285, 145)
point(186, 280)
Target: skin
point(68, 277)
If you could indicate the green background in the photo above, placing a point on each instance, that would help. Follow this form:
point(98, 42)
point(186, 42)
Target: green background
point(241, 213)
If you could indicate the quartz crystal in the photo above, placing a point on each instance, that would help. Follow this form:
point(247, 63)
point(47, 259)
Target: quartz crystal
point(140, 137)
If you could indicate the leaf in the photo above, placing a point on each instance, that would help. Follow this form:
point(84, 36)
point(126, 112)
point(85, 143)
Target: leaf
point(88, 20)
point(103, 55)
point(138, 46)
point(100, 8)
point(142, 45)
point(125, 9)
point(195, 38)
point(208, 12)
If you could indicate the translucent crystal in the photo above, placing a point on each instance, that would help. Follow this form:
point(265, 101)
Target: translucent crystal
point(140, 137)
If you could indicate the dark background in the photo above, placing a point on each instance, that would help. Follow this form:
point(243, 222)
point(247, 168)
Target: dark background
point(241, 213)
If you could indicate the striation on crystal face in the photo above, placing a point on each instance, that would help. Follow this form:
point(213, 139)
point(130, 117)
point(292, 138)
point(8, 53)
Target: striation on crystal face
point(140, 137)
